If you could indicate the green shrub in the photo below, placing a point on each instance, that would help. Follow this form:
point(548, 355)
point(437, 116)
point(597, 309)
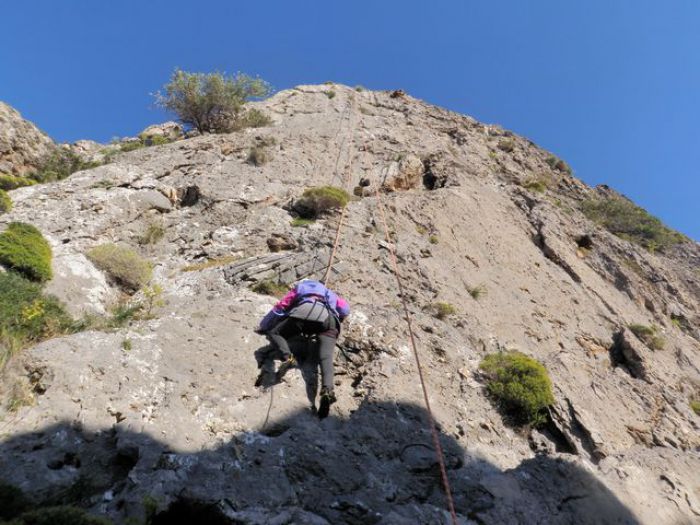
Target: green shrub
point(330, 93)
point(536, 185)
point(27, 315)
point(695, 406)
point(520, 385)
point(315, 201)
point(476, 291)
point(153, 233)
point(625, 219)
point(300, 222)
point(10, 182)
point(269, 287)
point(63, 515)
point(648, 335)
point(155, 140)
point(210, 102)
point(433, 239)
point(5, 202)
point(24, 250)
point(258, 156)
point(558, 164)
point(122, 264)
point(253, 118)
point(443, 310)
point(60, 164)
point(506, 145)
point(131, 146)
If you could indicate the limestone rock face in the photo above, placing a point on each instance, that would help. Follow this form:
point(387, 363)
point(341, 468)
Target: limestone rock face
point(22, 144)
point(168, 130)
point(164, 411)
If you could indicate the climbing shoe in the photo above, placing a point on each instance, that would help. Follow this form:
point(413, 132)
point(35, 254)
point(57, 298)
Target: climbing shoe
point(327, 399)
point(264, 378)
point(285, 367)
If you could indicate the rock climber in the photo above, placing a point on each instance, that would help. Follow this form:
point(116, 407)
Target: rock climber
point(308, 309)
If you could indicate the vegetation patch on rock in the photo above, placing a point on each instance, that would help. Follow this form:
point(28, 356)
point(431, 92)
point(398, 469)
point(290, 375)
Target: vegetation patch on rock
point(122, 264)
point(24, 250)
point(10, 182)
point(269, 287)
point(27, 315)
point(61, 164)
point(5, 202)
point(443, 310)
point(316, 201)
point(520, 385)
point(648, 335)
point(625, 219)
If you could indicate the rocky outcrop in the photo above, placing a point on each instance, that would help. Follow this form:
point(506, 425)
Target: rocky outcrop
point(22, 144)
point(164, 410)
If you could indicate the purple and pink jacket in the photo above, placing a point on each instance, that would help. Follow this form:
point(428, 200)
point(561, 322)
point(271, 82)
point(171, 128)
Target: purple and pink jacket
point(305, 291)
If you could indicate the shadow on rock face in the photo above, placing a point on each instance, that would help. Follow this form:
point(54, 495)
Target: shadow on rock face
point(376, 467)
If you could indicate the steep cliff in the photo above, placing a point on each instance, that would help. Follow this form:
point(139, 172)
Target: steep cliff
point(160, 416)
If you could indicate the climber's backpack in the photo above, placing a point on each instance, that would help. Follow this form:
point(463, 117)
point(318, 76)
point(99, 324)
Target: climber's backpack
point(314, 303)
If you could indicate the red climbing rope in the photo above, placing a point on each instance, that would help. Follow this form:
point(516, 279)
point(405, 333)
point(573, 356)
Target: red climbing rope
point(346, 180)
point(397, 274)
point(431, 419)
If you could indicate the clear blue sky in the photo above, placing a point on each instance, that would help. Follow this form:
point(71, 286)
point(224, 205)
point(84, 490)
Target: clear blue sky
point(611, 86)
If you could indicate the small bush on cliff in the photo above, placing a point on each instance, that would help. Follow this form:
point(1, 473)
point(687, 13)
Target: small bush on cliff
point(60, 164)
point(5, 202)
point(10, 182)
point(443, 310)
point(625, 219)
point(695, 406)
point(315, 201)
point(648, 335)
point(24, 250)
point(122, 264)
point(27, 315)
point(253, 118)
point(519, 384)
point(209, 102)
point(258, 156)
point(269, 287)
point(558, 164)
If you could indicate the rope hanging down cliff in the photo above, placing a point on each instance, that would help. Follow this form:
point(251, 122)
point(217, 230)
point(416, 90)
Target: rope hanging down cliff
point(407, 317)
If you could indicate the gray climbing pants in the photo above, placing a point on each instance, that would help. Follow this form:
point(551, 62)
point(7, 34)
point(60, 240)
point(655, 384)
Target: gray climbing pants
point(312, 343)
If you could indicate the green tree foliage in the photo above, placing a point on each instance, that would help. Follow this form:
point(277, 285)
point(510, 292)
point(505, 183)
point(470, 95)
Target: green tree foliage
point(209, 102)
point(122, 264)
point(315, 201)
point(5, 202)
point(625, 219)
point(24, 250)
point(519, 384)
